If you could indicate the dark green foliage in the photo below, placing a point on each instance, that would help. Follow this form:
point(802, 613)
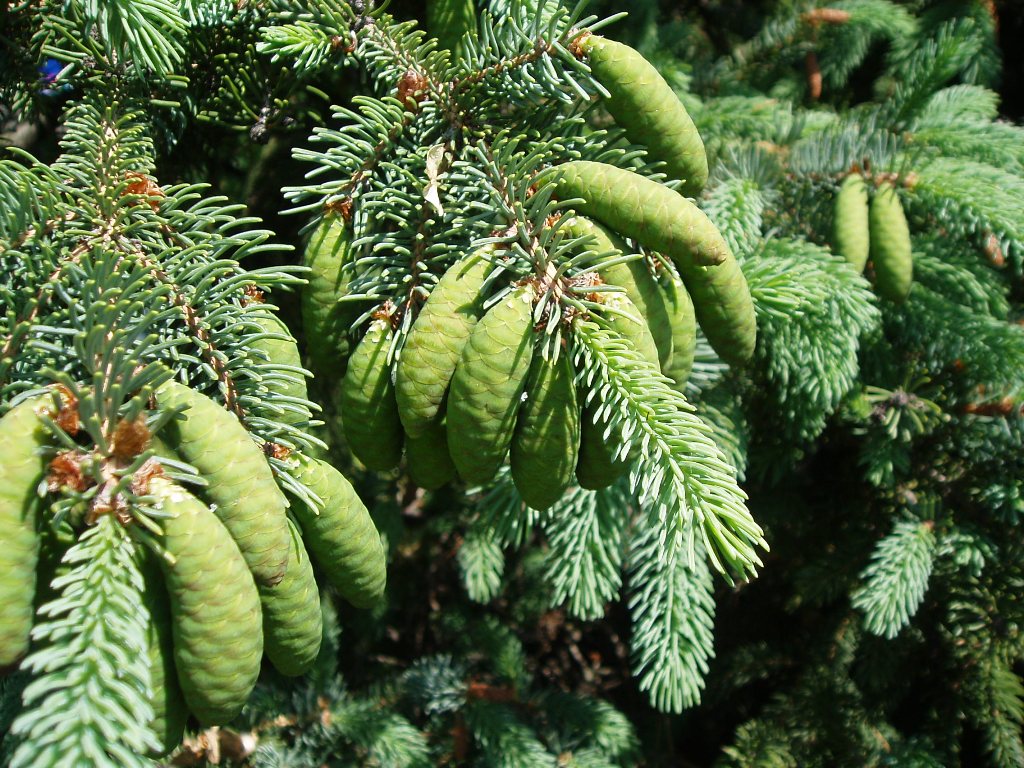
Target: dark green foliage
point(879, 443)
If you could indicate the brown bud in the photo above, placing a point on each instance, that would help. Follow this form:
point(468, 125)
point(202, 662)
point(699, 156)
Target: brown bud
point(65, 472)
point(130, 438)
point(817, 16)
point(253, 295)
point(813, 75)
point(140, 184)
point(342, 207)
point(486, 692)
point(412, 86)
point(67, 418)
point(994, 252)
point(576, 46)
point(274, 450)
point(140, 480)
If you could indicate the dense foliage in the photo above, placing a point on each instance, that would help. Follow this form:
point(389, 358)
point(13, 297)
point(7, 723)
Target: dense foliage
point(869, 187)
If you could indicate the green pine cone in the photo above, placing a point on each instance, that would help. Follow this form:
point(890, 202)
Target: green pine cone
point(325, 320)
point(635, 279)
point(890, 245)
point(487, 387)
point(724, 309)
point(292, 621)
point(669, 223)
point(22, 436)
point(547, 434)
point(647, 108)
point(341, 538)
point(281, 351)
point(595, 468)
point(169, 710)
point(631, 325)
point(435, 342)
point(215, 607)
point(427, 458)
point(683, 323)
point(241, 486)
point(850, 221)
point(450, 20)
point(369, 412)
point(637, 207)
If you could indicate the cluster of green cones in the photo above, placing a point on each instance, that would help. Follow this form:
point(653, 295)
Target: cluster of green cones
point(471, 379)
point(232, 575)
point(877, 231)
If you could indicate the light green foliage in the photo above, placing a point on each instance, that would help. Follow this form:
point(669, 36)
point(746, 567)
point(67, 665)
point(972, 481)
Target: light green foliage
point(90, 662)
point(487, 387)
point(683, 497)
point(215, 608)
point(722, 410)
point(547, 433)
point(988, 349)
point(959, 102)
point(973, 200)
point(737, 206)
point(481, 565)
point(302, 42)
point(1003, 715)
point(505, 741)
point(850, 238)
point(240, 483)
point(891, 251)
point(813, 310)
point(149, 31)
point(22, 438)
point(953, 48)
point(292, 624)
point(585, 535)
point(650, 112)
point(734, 117)
point(896, 580)
point(368, 408)
point(598, 465)
point(386, 738)
point(997, 144)
point(943, 268)
point(98, 283)
point(673, 610)
point(436, 340)
point(340, 535)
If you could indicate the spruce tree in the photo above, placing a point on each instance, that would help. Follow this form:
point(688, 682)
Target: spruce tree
point(442, 171)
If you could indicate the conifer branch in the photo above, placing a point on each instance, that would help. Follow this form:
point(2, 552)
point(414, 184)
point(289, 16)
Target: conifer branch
point(682, 479)
point(89, 703)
